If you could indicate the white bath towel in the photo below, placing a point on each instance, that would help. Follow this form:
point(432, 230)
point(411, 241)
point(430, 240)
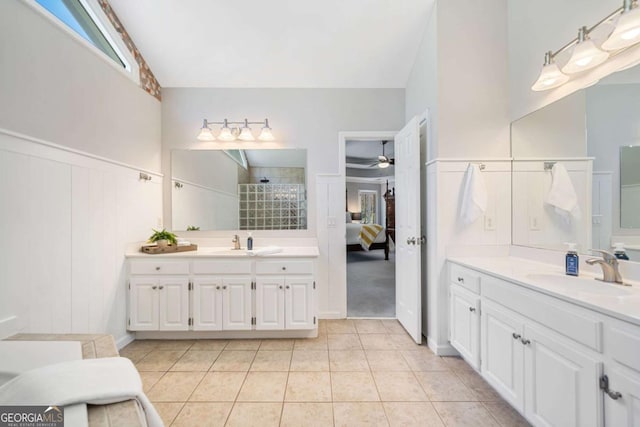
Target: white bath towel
point(562, 196)
point(268, 250)
point(474, 195)
point(91, 381)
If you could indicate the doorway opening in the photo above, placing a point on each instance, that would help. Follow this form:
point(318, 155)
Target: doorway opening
point(370, 228)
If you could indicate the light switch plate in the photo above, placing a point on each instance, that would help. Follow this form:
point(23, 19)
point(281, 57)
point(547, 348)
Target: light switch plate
point(534, 223)
point(489, 223)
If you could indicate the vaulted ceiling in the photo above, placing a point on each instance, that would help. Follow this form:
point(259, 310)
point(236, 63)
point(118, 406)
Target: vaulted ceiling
point(277, 43)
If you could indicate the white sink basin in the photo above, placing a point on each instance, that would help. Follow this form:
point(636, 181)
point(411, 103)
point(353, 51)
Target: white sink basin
point(222, 251)
point(583, 285)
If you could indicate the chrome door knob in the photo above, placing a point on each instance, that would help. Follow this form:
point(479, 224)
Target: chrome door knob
point(472, 309)
point(411, 240)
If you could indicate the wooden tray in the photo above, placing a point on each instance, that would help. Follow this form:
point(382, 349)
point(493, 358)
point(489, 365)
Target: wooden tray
point(154, 249)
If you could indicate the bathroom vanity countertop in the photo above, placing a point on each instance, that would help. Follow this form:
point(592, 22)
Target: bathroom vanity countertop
point(226, 252)
point(621, 302)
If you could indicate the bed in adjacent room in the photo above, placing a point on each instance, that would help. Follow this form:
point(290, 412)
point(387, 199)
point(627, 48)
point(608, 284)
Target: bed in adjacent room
point(354, 242)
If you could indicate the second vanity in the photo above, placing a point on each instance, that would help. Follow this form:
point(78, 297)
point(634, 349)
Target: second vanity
point(223, 293)
point(563, 351)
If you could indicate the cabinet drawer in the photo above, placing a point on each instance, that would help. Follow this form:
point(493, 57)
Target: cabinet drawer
point(565, 318)
point(464, 277)
point(284, 267)
point(622, 342)
point(222, 267)
point(159, 267)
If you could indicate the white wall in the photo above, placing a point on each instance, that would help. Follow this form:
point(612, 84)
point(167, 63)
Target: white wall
point(55, 88)
point(68, 215)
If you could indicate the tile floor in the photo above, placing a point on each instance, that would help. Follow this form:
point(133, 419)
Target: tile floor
point(356, 373)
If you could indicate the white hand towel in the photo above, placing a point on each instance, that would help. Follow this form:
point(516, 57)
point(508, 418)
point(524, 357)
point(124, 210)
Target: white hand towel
point(268, 250)
point(562, 195)
point(474, 196)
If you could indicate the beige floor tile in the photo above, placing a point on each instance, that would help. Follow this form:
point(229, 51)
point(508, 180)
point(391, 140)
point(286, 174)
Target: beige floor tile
point(322, 327)
point(457, 363)
point(203, 414)
point(353, 387)
point(263, 387)
point(341, 326)
point(174, 344)
point(149, 379)
point(319, 343)
point(386, 360)
point(359, 414)
point(141, 345)
point(399, 387)
point(505, 414)
point(219, 387)
point(348, 360)
point(464, 414)
point(209, 345)
point(444, 386)
point(404, 342)
point(135, 354)
point(478, 385)
point(424, 361)
point(308, 387)
point(234, 360)
point(168, 410)
point(412, 414)
point(272, 360)
point(175, 386)
point(377, 342)
point(159, 360)
point(370, 326)
point(311, 360)
point(393, 327)
point(243, 345)
point(344, 342)
point(196, 360)
point(308, 414)
point(277, 344)
point(246, 414)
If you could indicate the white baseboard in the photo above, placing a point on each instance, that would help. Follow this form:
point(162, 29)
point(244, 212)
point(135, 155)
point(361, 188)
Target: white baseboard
point(442, 349)
point(122, 342)
point(185, 335)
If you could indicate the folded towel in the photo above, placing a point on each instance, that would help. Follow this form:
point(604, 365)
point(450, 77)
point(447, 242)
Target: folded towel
point(474, 195)
point(91, 381)
point(268, 250)
point(368, 234)
point(562, 195)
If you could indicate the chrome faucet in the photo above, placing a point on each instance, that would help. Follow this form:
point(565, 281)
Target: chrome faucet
point(236, 242)
point(609, 264)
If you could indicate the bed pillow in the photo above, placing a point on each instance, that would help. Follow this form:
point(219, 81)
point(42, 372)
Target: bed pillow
point(348, 217)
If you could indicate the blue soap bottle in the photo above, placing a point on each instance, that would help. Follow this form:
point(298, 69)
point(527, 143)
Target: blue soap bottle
point(250, 242)
point(572, 261)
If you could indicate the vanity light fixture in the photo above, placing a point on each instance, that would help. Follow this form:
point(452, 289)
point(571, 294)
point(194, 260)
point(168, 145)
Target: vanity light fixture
point(230, 131)
point(585, 54)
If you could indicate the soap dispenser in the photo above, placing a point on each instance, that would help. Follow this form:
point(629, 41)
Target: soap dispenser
point(572, 262)
point(250, 242)
point(619, 251)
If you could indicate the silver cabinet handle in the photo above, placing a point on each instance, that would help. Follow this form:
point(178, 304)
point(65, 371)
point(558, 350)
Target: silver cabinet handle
point(284, 268)
point(157, 268)
point(288, 287)
point(516, 336)
point(160, 287)
point(604, 386)
point(218, 287)
point(224, 287)
point(280, 286)
point(154, 287)
point(460, 279)
point(472, 309)
point(525, 341)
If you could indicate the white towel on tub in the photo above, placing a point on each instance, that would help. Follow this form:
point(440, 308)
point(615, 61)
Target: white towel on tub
point(474, 195)
point(562, 196)
point(91, 381)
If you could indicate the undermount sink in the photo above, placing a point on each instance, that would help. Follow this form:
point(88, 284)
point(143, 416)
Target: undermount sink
point(589, 286)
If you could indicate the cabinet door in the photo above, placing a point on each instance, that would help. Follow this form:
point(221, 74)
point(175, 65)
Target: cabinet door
point(236, 303)
point(561, 381)
point(465, 324)
point(207, 304)
point(625, 411)
point(143, 304)
point(503, 352)
point(269, 302)
point(299, 302)
point(174, 303)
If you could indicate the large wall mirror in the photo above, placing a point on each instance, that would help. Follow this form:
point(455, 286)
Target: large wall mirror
point(594, 135)
point(239, 189)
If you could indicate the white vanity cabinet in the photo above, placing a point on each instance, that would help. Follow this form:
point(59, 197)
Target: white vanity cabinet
point(464, 313)
point(284, 295)
point(158, 299)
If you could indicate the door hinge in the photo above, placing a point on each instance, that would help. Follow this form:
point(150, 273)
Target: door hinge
point(253, 285)
point(190, 321)
point(129, 285)
point(253, 321)
point(314, 284)
point(190, 286)
point(314, 320)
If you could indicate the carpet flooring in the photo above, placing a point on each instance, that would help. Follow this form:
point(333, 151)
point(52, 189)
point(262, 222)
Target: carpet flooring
point(371, 289)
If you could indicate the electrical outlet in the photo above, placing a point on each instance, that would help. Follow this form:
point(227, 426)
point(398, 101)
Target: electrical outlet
point(331, 222)
point(597, 219)
point(489, 223)
point(534, 223)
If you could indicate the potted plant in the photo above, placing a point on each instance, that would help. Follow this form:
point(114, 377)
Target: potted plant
point(163, 238)
point(193, 228)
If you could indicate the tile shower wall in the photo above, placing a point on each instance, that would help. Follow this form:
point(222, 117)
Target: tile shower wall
point(272, 206)
point(277, 175)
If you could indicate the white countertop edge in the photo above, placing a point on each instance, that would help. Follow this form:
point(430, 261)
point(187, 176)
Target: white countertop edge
point(475, 263)
point(203, 252)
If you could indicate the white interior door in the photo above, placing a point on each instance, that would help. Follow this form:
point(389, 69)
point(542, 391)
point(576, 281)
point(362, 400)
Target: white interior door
point(408, 233)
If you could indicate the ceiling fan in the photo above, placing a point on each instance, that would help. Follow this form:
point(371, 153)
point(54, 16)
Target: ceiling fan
point(383, 161)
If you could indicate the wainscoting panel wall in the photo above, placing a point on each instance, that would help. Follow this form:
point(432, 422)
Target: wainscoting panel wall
point(65, 223)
